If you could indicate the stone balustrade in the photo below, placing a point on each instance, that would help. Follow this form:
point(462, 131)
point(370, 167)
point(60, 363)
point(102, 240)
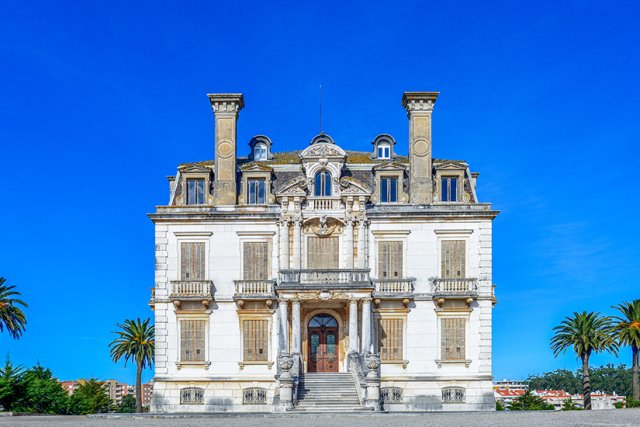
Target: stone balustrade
point(254, 287)
point(455, 286)
point(191, 289)
point(324, 203)
point(391, 286)
point(336, 276)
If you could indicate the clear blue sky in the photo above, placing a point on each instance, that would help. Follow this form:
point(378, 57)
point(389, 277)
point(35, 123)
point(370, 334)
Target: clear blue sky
point(99, 102)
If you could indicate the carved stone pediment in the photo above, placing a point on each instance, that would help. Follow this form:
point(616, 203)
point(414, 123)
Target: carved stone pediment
point(294, 187)
point(351, 186)
point(389, 166)
point(255, 167)
point(194, 169)
point(323, 150)
point(323, 226)
point(450, 165)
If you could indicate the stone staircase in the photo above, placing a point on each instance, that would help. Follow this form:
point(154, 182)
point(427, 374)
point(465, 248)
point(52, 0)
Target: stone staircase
point(328, 392)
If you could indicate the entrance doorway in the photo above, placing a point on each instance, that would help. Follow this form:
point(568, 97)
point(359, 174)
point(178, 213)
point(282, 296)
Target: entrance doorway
point(323, 344)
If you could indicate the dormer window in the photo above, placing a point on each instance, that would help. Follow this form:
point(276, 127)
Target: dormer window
point(322, 185)
point(257, 191)
point(195, 191)
point(449, 189)
point(384, 152)
point(389, 189)
point(260, 152)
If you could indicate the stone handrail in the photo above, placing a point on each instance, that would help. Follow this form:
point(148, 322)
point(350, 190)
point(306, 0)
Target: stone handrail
point(394, 285)
point(356, 367)
point(191, 289)
point(324, 203)
point(455, 286)
point(325, 276)
point(254, 287)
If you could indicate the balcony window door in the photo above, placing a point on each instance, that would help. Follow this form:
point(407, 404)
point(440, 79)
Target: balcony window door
point(192, 261)
point(255, 261)
point(453, 262)
point(323, 252)
point(322, 187)
point(389, 260)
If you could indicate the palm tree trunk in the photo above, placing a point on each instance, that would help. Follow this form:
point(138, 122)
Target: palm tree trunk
point(139, 388)
point(635, 355)
point(586, 383)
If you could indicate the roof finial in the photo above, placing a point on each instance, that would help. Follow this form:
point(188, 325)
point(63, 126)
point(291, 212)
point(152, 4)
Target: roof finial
point(321, 108)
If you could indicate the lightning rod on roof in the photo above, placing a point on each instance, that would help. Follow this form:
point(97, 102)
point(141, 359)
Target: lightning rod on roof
point(320, 108)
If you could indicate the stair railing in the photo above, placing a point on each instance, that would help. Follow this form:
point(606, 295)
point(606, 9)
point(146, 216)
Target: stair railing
point(357, 369)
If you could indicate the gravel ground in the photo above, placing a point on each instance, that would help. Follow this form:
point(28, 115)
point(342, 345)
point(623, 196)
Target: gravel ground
point(626, 417)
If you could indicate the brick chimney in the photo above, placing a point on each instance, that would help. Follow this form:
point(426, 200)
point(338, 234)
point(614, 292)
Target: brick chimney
point(226, 107)
point(419, 106)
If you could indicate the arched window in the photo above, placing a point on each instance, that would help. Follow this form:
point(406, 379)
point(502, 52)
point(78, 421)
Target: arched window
point(322, 184)
point(260, 152)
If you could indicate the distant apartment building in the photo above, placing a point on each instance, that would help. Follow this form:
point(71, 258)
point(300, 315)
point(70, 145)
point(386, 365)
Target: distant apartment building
point(147, 390)
point(510, 385)
point(599, 400)
point(70, 386)
point(116, 390)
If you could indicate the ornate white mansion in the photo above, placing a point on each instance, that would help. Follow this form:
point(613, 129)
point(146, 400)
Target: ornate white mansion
point(323, 279)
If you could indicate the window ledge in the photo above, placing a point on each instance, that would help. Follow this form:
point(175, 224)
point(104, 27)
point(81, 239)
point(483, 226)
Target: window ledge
point(193, 364)
point(404, 363)
point(441, 362)
point(243, 364)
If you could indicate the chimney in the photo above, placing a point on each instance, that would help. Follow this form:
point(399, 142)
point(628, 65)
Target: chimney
point(419, 106)
point(226, 107)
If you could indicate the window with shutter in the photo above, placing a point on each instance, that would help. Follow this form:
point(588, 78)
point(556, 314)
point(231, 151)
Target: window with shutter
point(390, 334)
point(453, 263)
point(255, 340)
point(323, 252)
point(192, 261)
point(453, 338)
point(192, 340)
point(256, 261)
point(390, 260)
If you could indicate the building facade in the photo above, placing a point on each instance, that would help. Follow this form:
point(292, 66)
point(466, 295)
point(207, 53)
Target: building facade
point(323, 279)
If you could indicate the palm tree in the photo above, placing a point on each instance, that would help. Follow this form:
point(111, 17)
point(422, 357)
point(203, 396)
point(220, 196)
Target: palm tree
point(11, 316)
point(135, 342)
point(627, 329)
point(586, 333)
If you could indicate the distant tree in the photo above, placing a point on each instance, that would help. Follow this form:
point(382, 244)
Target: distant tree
point(530, 402)
point(89, 398)
point(10, 386)
point(569, 405)
point(40, 393)
point(135, 343)
point(127, 404)
point(560, 379)
point(12, 317)
point(586, 333)
point(610, 379)
point(627, 329)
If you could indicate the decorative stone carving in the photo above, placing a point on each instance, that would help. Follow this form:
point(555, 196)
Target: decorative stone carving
point(323, 226)
point(372, 360)
point(323, 150)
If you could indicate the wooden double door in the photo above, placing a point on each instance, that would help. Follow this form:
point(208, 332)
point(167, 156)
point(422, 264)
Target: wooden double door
point(323, 344)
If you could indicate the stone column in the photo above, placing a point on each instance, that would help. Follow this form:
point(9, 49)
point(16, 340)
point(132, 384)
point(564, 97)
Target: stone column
point(353, 326)
point(297, 234)
point(295, 320)
point(419, 106)
point(366, 325)
point(362, 246)
point(284, 244)
point(284, 326)
point(348, 242)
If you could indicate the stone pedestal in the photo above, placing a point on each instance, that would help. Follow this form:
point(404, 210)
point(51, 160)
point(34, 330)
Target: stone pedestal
point(285, 382)
point(373, 381)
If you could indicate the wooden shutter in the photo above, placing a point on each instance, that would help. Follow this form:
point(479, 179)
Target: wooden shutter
point(192, 259)
point(453, 263)
point(390, 339)
point(389, 260)
point(255, 340)
point(192, 340)
point(453, 339)
point(256, 261)
point(323, 252)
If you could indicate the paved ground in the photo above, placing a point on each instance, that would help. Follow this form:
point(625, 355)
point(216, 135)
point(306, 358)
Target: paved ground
point(620, 417)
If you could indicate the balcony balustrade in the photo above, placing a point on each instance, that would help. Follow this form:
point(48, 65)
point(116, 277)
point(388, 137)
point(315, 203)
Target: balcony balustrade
point(320, 277)
point(455, 286)
point(394, 286)
point(254, 288)
point(324, 203)
point(196, 290)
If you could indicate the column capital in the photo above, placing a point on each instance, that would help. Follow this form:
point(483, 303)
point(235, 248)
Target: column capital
point(230, 103)
point(419, 101)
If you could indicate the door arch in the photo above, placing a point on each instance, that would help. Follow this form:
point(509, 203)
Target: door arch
point(323, 343)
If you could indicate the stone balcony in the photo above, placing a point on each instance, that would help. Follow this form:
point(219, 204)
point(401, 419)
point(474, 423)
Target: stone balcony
point(324, 203)
point(325, 278)
point(393, 288)
point(457, 288)
point(191, 291)
point(255, 289)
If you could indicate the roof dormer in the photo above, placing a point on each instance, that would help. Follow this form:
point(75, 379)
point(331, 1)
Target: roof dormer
point(260, 149)
point(383, 147)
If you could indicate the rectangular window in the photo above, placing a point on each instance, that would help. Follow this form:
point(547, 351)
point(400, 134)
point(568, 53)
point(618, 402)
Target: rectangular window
point(255, 335)
point(389, 260)
point(449, 189)
point(195, 191)
point(256, 191)
point(323, 252)
point(192, 261)
point(255, 261)
point(453, 338)
point(390, 339)
point(192, 340)
point(388, 190)
point(383, 152)
point(453, 259)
